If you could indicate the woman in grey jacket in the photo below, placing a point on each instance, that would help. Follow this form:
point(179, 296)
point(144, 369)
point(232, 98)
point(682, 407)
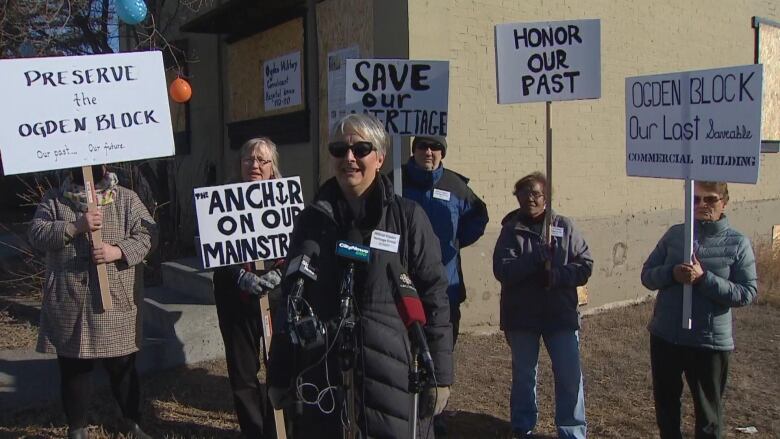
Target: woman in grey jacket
point(723, 274)
point(540, 303)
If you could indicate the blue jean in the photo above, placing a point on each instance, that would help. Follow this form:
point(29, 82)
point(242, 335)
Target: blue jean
point(564, 349)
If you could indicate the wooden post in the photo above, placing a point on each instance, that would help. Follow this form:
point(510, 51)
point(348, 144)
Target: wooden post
point(96, 238)
point(548, 191)
point(265, 313)
point(548, 194)
point(397, 163)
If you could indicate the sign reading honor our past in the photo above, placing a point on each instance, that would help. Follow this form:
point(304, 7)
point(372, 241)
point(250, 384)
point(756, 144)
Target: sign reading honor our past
point(699, 125)
point(66, 112)
point(548, 61)
point(408, 96)
point(247, 222)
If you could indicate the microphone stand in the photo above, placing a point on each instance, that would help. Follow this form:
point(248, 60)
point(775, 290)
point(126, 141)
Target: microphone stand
point(415, 387)
point(347, 349)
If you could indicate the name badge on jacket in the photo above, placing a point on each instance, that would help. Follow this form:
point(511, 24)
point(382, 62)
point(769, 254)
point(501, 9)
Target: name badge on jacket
point(441, 195)
point(385, 241)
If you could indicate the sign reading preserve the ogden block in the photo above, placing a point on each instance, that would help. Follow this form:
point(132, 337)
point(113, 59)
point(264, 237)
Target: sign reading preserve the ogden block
point(247, 222)
point(548, 61)
point(408, 96)
point(700, 125)
point(66, 112)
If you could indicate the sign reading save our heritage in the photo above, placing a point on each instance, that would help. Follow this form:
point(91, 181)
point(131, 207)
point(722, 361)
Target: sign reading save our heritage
point(699, 125)
point(548, 61)
point(65, 112)
point(247, 222)
point(409, 97)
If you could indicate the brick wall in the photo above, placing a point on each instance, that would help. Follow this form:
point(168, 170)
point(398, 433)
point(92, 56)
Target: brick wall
point(494, 144)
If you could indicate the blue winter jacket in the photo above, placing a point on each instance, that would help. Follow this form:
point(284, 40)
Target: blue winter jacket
point(729, 280)
point(458, 216)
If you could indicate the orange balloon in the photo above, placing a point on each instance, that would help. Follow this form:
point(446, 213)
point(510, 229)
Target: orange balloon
point(180, 90)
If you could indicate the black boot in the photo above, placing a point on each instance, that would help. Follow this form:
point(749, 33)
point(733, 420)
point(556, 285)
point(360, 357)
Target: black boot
point(133, 430)
point(79, 433)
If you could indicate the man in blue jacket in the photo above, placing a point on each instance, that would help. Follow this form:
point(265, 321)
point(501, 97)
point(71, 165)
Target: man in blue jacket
point(458, 216)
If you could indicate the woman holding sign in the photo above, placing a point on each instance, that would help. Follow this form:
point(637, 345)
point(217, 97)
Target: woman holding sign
point(539, 301)
point(723, 274)
point(236, 292)
point(398, 281)
point(73, 324)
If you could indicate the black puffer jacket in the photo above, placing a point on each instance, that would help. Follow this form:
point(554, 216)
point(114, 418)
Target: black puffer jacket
point(383, 346)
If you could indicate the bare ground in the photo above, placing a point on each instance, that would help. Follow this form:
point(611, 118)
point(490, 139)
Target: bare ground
point(195, 402)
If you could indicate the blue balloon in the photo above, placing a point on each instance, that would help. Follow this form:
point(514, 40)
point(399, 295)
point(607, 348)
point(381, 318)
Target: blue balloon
point(131, 11)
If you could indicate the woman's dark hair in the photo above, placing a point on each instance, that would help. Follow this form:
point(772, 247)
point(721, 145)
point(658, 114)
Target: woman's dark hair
point(530, 180)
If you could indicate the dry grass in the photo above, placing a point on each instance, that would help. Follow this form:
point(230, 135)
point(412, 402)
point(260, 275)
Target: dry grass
point(195, 402)
point(16, 334)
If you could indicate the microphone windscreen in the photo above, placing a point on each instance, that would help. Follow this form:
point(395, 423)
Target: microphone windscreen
point(411, 310)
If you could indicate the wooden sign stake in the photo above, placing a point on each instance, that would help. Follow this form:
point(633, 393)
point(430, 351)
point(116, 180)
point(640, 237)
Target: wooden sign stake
point(96, 238)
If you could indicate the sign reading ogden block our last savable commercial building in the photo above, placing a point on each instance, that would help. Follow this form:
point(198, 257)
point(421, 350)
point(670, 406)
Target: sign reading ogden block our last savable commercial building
point(699, 125)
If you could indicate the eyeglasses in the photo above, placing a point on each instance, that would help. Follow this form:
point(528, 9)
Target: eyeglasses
point(709, 199)
point(433, 146)
point(359, 149)
point(249, 161)
point(525, 193)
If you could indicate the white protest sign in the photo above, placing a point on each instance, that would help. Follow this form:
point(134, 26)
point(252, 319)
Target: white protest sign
point(337, 82)
point(282, 81)
point(247, 222)
point(548, 61)
point(409, 97)
point(698, 125)
point(71, 111)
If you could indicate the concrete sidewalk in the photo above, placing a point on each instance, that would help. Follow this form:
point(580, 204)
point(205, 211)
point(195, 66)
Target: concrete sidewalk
point(180, 327)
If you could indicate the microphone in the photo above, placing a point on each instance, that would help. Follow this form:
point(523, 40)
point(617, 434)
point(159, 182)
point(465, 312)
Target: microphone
point(352, 252)
point(305, 330)
point(411, 311)
point(301, 268)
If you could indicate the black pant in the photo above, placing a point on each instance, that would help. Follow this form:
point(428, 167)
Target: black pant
point(239, 323)
point(705, 371)
point(76, 387)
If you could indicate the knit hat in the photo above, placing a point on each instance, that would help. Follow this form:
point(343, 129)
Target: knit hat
point(441, 140)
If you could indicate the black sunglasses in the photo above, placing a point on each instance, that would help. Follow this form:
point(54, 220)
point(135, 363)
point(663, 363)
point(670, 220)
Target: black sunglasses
point(359, 149)
point(709, 199)
point(434, 146)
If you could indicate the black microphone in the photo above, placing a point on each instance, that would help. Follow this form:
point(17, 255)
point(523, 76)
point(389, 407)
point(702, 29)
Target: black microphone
point(411, 311)
point(352, 252)
point(305, 330)
point(301, 267)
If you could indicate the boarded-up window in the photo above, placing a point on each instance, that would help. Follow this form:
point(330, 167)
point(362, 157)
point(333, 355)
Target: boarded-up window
point(768, 54)
point(282, 47)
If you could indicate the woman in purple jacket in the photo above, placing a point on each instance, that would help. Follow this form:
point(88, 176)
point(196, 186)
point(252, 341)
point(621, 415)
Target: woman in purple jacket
point(539, 300)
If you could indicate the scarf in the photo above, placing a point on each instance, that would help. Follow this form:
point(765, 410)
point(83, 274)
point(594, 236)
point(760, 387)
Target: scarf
point(105, 190)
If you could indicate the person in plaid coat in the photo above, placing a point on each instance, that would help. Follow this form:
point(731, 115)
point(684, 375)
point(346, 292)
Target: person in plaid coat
point(73, 324)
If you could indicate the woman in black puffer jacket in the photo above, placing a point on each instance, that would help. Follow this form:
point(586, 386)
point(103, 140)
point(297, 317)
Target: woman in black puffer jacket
point(355, 205)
